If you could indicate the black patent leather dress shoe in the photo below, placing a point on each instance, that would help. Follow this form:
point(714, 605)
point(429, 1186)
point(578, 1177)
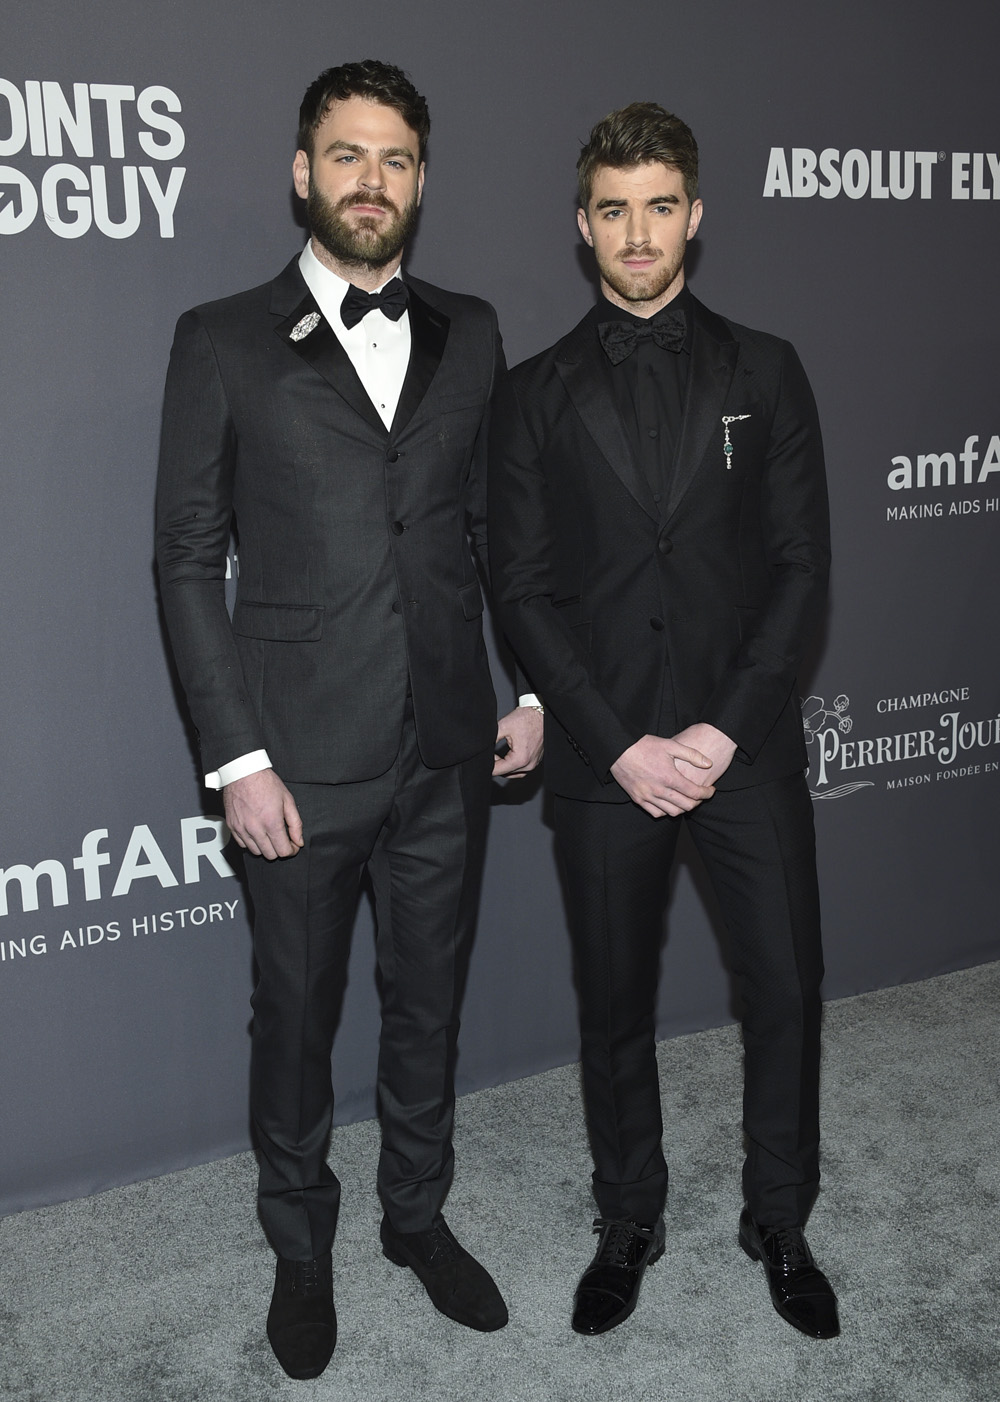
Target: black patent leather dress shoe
point(302, 1323)
point(458, 1285)
point(609, 1288)
point(800, 1292)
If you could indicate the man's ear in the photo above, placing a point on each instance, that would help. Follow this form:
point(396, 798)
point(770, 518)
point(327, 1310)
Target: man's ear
point(584, 226)
point(300, 174)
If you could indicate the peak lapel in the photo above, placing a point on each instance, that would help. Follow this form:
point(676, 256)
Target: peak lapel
point(321, 350)
point(712, 364)
point(586, 383)
point(428, 335)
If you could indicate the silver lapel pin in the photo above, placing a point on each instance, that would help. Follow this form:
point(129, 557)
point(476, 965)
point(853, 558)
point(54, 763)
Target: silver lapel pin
point(727, 446)
point(302, 328)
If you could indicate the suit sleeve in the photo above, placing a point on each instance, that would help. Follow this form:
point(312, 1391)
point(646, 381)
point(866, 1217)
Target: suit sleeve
point(476, 483)
point(795, 529)
point(522, 546)
point(478, 512)
point(194, 508)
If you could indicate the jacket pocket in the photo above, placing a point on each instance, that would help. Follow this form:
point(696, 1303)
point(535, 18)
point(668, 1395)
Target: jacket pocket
point(472, 600)
point(454, 403)
point(279, 623)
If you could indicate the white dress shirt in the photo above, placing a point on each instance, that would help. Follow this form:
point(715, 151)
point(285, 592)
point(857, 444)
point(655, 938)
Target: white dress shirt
point(378, 348)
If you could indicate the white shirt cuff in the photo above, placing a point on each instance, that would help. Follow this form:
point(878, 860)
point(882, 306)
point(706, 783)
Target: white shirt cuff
point(530, 699)
point(237, 768)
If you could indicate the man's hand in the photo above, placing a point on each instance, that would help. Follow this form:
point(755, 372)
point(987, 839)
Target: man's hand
point(714, 745)
point(262, 815)
point(664, 777)
point(522, 729)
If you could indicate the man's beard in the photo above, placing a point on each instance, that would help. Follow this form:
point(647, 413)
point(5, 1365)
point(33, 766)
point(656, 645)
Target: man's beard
point(367, 243)
point(641, 287)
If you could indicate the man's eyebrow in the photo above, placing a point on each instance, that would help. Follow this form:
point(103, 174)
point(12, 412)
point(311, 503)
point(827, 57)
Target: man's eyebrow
point(357, 150)
point(620, 204)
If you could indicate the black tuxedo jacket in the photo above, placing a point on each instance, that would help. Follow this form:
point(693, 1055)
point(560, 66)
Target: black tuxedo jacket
point(601, 590)
point(356, 578)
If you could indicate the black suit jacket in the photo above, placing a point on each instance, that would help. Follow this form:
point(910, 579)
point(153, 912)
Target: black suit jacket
point(356, 574)
point(600, 589)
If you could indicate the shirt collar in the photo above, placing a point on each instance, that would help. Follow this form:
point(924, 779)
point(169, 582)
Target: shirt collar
point(326, 286)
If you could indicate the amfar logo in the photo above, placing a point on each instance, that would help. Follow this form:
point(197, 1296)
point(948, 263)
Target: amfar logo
point(965, 468)
point(879, 175)
point(202, 840)
point(73, 198)
point(949, 749)
point(942, 469)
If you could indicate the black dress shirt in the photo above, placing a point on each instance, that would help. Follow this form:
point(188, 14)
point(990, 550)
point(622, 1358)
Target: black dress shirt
point(649, 388)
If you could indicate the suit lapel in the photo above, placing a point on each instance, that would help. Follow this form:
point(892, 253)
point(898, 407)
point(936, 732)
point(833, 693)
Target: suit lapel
point(583, 374)
point(428, 335)
point(321, 350)
point(713, 360)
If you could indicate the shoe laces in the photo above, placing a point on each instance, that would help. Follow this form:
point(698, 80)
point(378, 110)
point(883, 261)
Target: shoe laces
point(788, 1245)
point(306, 1278)
point(439, 1247)
point(622, 1243)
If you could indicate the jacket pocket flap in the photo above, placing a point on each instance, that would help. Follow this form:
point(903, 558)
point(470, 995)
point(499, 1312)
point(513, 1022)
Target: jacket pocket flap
point(472, 600)
point(288, 623)
point(455, 402)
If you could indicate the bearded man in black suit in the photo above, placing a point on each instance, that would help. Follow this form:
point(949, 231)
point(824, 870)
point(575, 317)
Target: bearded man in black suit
point(346, 711)
point(659, 546)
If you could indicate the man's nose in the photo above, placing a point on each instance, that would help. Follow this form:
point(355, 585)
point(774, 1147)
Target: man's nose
point(372, 176)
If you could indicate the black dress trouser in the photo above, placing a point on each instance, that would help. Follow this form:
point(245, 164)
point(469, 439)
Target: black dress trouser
point(758, 846)
point(421, 834)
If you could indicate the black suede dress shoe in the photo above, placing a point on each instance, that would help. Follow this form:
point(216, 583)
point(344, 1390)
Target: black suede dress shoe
point(800, 1292)
point(458, 1285)
point(302, 1323)
point(609, 1288)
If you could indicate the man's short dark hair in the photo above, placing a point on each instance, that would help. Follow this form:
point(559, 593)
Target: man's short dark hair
point(375, 82)
point(636, 135)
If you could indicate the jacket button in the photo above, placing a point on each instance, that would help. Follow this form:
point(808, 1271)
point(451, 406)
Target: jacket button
point(392, 455)
point(664, 545)
point(656, 624)
point(397, 528)
point(397, 607)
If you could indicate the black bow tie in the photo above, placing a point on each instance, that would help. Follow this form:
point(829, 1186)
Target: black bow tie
point(391, 302)
point(620, 338)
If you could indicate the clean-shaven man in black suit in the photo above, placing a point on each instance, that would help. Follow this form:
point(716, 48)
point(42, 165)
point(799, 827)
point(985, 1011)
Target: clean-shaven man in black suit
point(347, 712)
point(659, 546)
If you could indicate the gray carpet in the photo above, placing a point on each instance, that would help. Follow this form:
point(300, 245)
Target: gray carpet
point(157, 1292)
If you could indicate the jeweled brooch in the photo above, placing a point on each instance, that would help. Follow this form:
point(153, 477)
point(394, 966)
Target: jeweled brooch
point(727, 446)
point(302, 328)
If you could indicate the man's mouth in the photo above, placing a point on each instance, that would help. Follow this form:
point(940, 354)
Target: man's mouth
point(367, 207)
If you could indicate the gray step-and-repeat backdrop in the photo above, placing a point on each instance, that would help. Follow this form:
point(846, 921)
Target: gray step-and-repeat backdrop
point(851, 178)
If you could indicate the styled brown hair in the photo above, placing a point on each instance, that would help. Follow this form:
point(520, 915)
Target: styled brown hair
point(634, 136)
point(376, 82)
